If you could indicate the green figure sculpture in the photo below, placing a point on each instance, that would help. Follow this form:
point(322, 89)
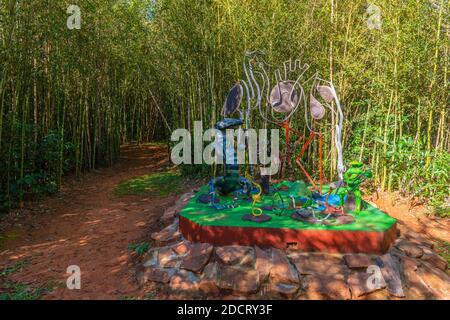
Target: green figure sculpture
point(353, 178)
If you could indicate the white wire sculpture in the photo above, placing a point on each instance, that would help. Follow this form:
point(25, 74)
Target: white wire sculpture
point(284, 99)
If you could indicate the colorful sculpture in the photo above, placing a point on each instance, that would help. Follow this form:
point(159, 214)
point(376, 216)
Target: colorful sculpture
point(277, 99)
point(283, 101)
point(303, 214)
point(353, 178)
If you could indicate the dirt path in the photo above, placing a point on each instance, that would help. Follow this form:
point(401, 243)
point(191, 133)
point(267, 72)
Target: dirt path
point(86, 225)
point(413, 219)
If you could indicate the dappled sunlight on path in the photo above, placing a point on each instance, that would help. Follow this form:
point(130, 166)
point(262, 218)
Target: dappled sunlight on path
point(87, 225)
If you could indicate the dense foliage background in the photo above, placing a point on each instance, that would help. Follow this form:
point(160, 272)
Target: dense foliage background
point(69, 98)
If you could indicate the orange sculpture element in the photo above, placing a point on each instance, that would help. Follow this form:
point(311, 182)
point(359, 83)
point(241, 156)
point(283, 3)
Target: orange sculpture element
point(287, 130)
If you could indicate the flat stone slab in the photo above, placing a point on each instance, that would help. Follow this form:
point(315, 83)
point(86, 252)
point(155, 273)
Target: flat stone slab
point(318, 263)
point(171, 212)
point(437, 281)
point(166, 256)
point(168, 234)
point(360, 284)
point(391, 275)
point(157, 275)
point(410, 248)
point(197, 257)
point(320, 286)
point(418, 239)
point(435, 260)
point(287, 290)
point(184, 281)
point(263, 263)
point(409, 264)
point(235, 255)
point(181, 248)
point(184, 199)
point(357, 261)
point(151, 258)
point(209, 279)
point(282, 271)
point(238, 279)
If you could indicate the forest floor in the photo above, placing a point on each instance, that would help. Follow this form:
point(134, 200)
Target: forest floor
point(88, 225)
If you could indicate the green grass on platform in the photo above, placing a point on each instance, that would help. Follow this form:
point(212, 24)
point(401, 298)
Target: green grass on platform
point(370, 219)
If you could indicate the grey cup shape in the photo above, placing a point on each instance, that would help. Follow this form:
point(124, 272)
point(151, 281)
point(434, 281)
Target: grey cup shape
point(283, 98)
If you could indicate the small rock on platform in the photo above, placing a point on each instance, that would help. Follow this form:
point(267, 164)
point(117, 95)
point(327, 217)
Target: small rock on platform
point(345, 219)
point(260, 218)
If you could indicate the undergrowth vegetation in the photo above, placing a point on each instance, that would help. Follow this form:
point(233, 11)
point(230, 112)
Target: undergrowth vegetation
point(12, 290)
point(139, 248)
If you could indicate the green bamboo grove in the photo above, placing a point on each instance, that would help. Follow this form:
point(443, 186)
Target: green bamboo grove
point(70, 98)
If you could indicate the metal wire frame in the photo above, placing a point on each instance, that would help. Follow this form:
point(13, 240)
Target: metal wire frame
point(254, 92)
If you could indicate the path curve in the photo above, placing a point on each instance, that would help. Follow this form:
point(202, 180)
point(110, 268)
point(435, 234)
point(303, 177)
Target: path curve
point(86, 225)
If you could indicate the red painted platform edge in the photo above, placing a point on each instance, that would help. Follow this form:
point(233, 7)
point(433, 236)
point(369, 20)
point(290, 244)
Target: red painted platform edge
point(331, 241)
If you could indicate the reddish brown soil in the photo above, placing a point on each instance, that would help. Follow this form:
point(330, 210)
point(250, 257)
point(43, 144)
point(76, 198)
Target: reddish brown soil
point(415, 219)
point(87, 225)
